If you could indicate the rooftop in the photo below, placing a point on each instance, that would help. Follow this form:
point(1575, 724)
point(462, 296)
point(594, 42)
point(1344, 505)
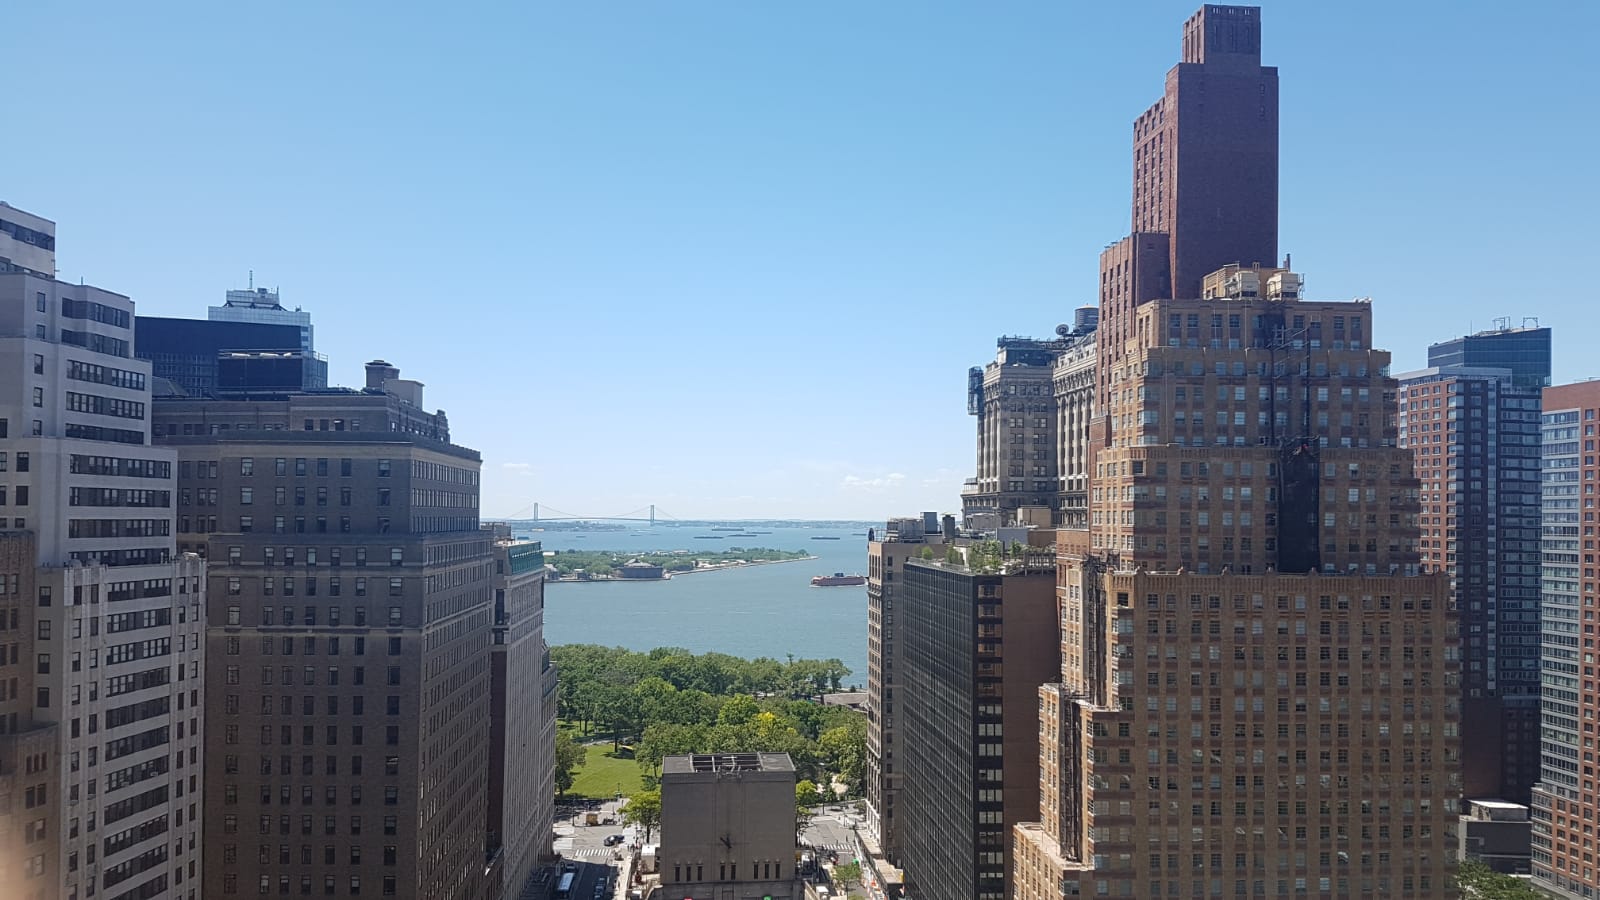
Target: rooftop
point(727, 763)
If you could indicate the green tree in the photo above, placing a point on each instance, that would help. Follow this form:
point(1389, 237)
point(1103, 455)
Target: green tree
point(644, 810)
point(927, 553)
point(569, 759)
point(954, 557)
point(1480, 882)
point(738, 710)
point(806, 796)
point(847, 873)
point(842, 751)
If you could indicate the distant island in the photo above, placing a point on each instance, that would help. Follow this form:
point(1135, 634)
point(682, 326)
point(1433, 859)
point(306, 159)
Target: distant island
point(617, 565)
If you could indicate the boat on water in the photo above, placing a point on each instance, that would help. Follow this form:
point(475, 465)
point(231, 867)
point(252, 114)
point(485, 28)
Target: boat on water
point(837, 579)
point(822, 537)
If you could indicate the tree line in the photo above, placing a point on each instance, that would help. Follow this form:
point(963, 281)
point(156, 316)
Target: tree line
point(606, 562)
point(670, 701)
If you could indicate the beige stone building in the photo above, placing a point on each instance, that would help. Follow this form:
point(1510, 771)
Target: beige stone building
point(349, 634)
point(728, 827)
point(101, 695)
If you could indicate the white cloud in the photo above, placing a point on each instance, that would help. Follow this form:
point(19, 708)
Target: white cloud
point(879, 483)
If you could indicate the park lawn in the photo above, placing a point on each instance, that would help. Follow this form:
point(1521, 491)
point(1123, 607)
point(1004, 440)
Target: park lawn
point(602, 773)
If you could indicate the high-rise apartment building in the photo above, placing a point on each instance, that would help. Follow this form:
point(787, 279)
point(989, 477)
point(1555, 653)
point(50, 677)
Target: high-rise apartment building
point(522, 720)
point(978, 641)
point(1564, 805)
point(1524, 351)
point(101, 657)
point(1475, 436)
point(1259, 689)
point(351, 619)
point(903, 539)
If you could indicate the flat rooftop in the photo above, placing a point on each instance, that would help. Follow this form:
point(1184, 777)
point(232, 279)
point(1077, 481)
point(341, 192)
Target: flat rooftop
point(726, 763)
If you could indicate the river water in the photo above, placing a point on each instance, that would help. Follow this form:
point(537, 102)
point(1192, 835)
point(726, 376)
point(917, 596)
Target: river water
point(766, 610)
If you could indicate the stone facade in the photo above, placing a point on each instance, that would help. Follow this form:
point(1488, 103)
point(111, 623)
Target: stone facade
point(350, 624)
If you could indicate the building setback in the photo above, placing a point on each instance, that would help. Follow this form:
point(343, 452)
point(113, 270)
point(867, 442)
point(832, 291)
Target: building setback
point(350, 629)
point(522, 724)
point(101, 695)
point(1259, 689)
point(1475, 436)
point(27, 243)
point(1205, 161)
point(1564, 808)
point(976, 648)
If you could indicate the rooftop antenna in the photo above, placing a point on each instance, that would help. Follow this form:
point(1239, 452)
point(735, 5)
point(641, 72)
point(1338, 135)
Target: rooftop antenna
point(252, 280)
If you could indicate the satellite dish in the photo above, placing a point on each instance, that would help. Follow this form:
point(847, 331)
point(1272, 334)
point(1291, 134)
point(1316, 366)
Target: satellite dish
point(1063, 330)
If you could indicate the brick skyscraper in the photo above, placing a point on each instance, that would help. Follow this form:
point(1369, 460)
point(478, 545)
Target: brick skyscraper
point(1260, 690)
point(1205, 166)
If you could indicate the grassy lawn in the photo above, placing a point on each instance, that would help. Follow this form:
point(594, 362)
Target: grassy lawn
point(602, 773)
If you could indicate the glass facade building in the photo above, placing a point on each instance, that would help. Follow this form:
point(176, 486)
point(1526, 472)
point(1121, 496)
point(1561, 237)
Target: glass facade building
point(186, 351)
point(1525, 351)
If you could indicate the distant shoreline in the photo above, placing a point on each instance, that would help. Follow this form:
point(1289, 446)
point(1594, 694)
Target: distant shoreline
point(668, 576)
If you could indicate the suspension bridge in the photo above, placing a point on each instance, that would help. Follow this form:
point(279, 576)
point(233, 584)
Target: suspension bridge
point(649, 514)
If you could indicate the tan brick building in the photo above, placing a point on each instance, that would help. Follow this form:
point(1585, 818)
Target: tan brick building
point(1260, 692)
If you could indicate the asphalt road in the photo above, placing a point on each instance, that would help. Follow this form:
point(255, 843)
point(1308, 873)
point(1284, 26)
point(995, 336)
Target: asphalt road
point(584, 846)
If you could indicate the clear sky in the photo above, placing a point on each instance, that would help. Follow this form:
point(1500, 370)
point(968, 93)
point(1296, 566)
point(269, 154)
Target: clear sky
point(735, 258)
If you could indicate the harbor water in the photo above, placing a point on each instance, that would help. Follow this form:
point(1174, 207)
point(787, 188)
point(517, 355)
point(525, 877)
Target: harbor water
point(762, 610)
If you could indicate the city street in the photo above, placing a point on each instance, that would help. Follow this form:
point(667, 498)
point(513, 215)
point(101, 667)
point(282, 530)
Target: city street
point(830, 831)
point(584, 846)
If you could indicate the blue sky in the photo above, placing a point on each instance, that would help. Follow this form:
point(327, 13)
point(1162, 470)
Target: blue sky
point(735, 258)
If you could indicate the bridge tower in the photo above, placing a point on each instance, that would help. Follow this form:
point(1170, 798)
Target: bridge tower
point(536, 512)
point(652, 514)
